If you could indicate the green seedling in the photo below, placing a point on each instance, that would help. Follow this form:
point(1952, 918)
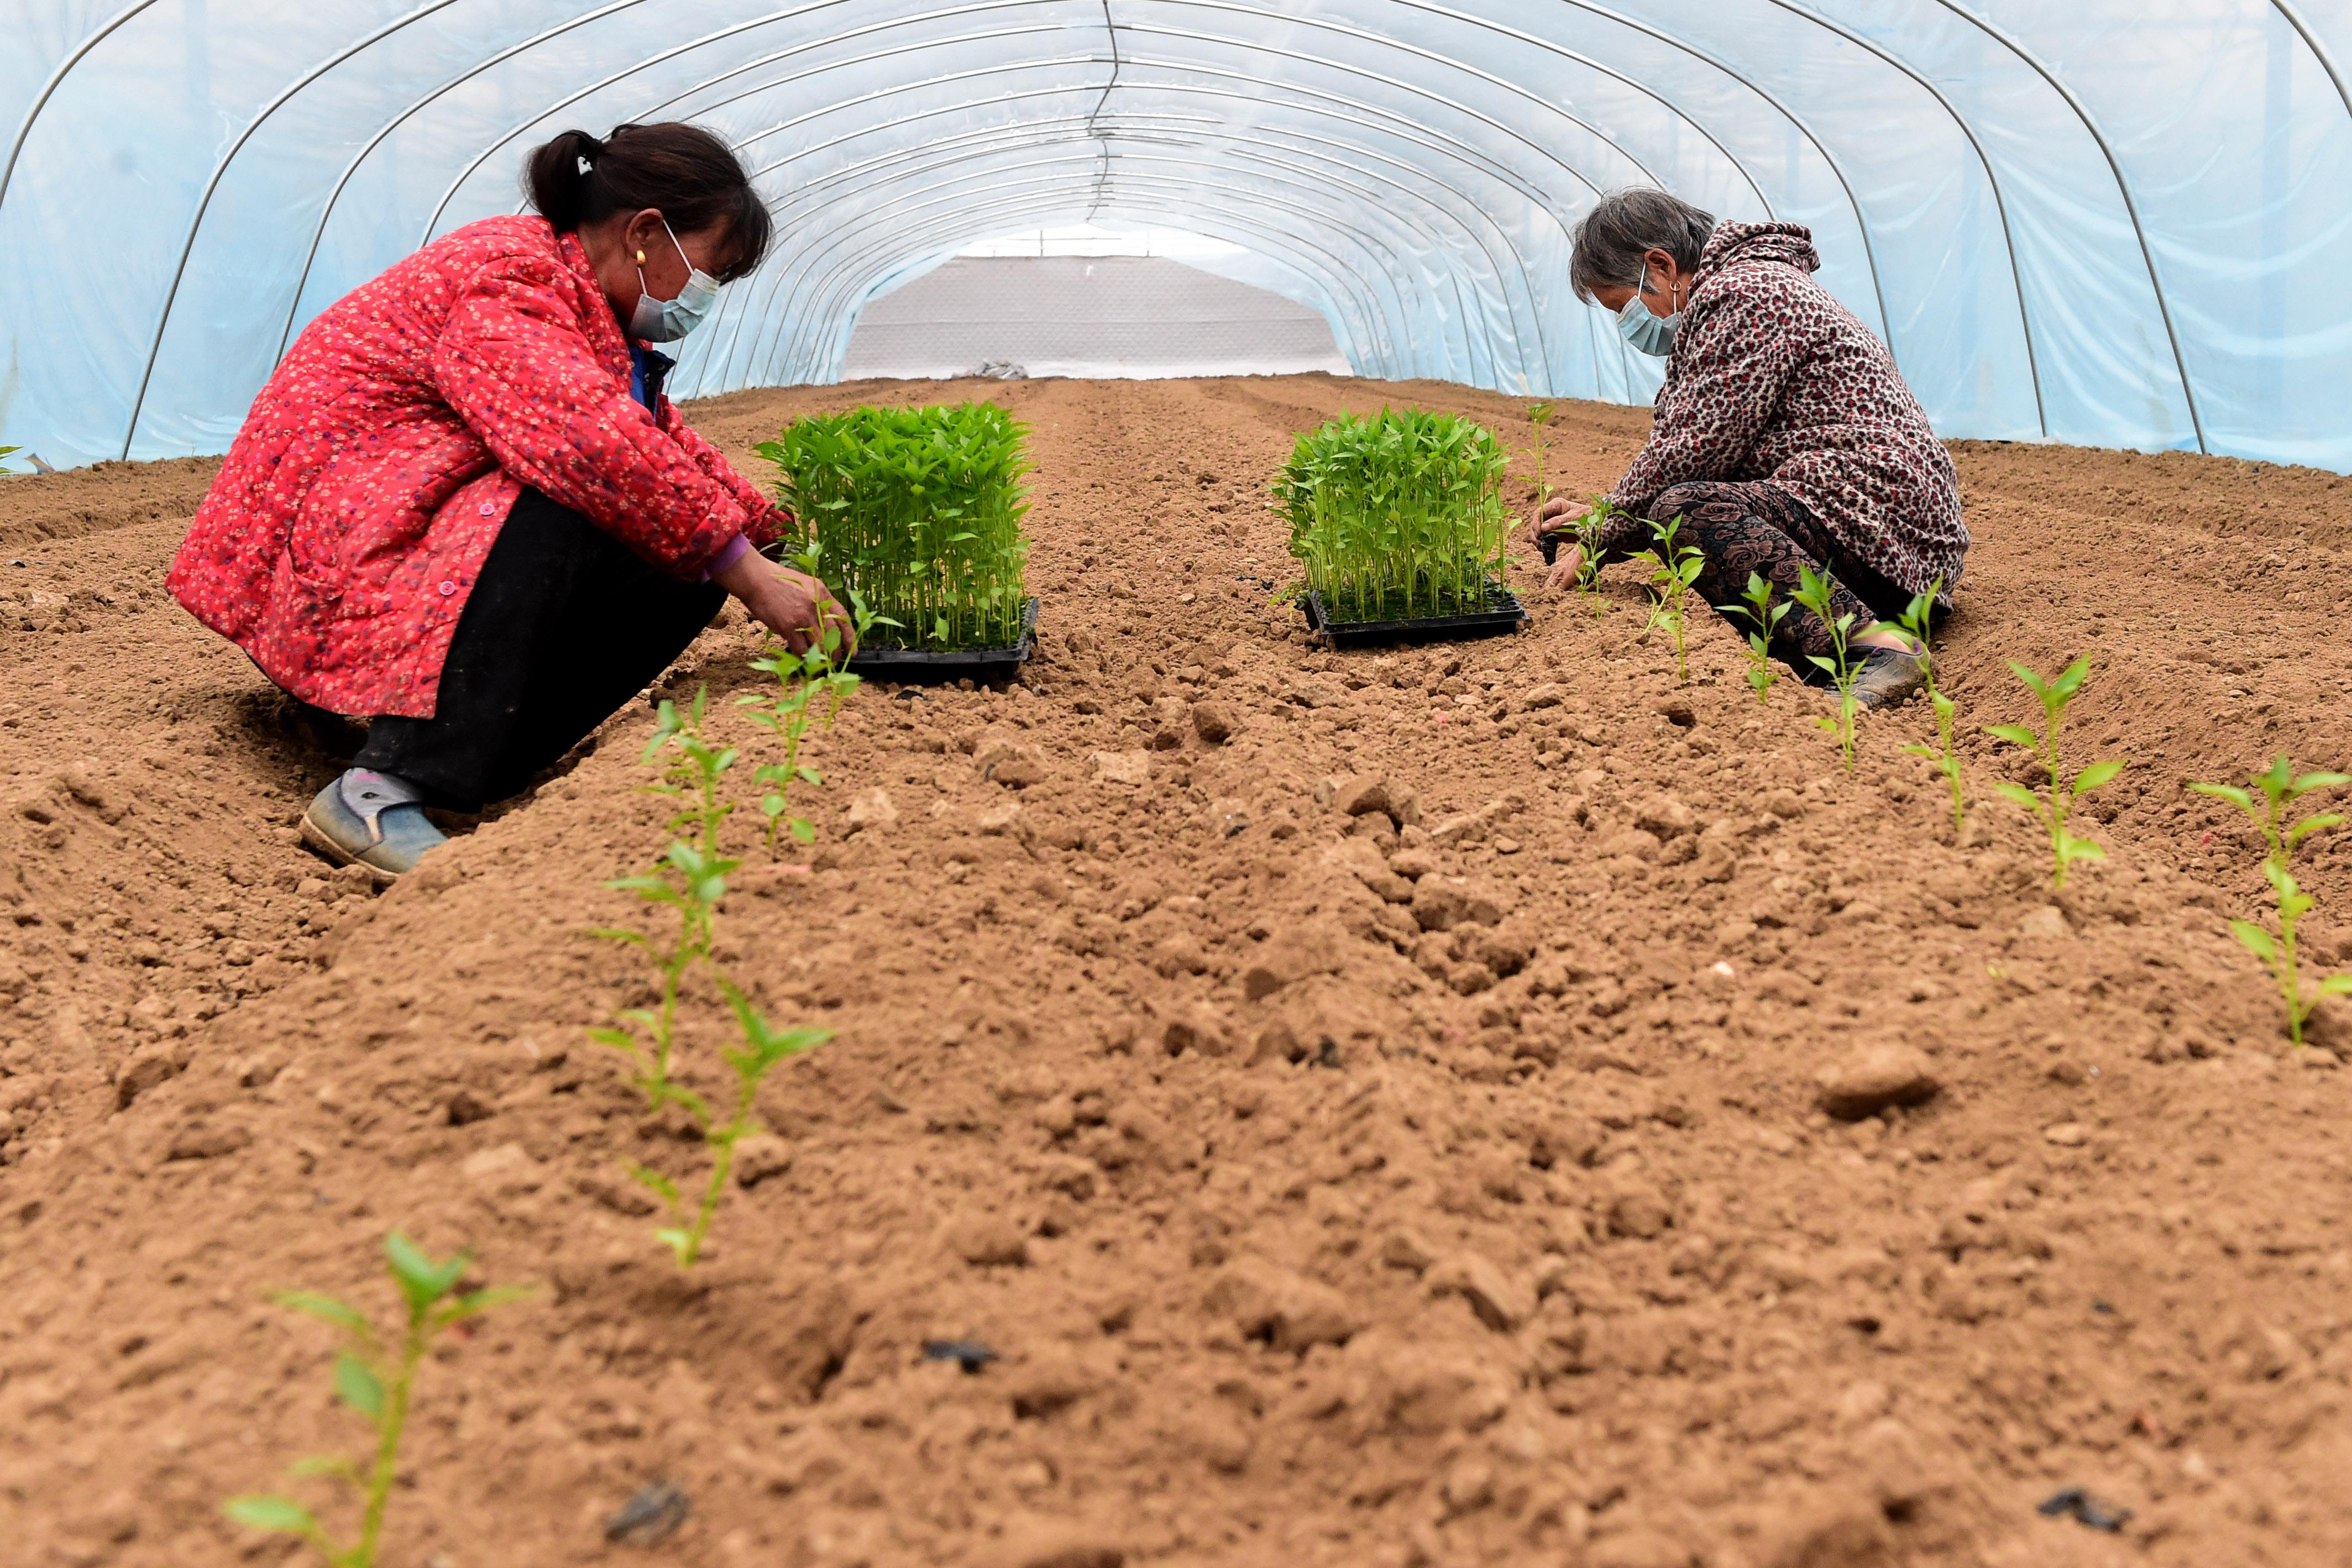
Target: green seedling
point(689, 880)
point(763, 1047)
point(1840, 664)
point(1588, 531)
point(1397, 517)
point(1764, 618)
point(376, 1380)
point(1915, 625)
point(919, 512)
point(2066, 849)
point(1674, 567)
point(2280, 789)
point(1539, 415)
point(801, 679)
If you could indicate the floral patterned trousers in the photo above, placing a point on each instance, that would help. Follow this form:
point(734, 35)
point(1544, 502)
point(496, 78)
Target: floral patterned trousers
point(1760, 528)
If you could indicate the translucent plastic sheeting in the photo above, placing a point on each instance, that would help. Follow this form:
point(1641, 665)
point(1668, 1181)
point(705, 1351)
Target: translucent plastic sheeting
point(2111, 222)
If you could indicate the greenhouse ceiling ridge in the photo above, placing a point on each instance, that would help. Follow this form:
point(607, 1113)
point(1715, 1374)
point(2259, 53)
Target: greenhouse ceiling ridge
point(2107, 224)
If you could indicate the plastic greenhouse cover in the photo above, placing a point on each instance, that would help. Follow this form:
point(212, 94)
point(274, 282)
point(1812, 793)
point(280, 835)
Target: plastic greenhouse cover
point(2111, 222)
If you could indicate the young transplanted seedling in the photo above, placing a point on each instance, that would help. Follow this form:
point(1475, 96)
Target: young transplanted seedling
point(1539, 415)
point(1840, 664)
point(1765, 617)
point(2281, 789)
point(1914, 624)
point(763, 1048)
point(1674, 567)
point(801, 679)
point(689, 880)
point(376, 1382)
point(2066, 849)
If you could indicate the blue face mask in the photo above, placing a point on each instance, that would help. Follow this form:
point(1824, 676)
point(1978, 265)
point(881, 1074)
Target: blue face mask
point(1651, 334)
point(667, 320)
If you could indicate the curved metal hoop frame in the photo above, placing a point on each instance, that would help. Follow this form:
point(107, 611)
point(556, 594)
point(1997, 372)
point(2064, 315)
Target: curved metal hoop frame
point(1101, 126)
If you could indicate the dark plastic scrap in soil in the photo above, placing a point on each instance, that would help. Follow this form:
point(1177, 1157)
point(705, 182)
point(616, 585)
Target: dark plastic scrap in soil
point(2086, 1508)
point(969, 1355)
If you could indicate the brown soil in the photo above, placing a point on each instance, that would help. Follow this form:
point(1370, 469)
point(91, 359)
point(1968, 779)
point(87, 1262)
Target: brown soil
point(1303, 1235)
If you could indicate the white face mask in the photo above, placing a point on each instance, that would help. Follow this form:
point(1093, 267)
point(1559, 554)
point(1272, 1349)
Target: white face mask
point(667, 320)
point(1651, 333)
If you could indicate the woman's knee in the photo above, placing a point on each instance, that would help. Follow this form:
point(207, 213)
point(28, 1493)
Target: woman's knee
point(1679, 501)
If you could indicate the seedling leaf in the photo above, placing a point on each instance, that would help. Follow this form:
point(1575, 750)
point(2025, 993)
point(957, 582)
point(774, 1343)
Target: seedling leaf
point(274, 1514)
point(343, 1314)
point(359, 1387)
point(2096, 774)
point(421, 1280)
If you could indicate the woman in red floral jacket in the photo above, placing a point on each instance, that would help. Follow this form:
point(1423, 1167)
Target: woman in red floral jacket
point(1784, 438)
point(462, 508)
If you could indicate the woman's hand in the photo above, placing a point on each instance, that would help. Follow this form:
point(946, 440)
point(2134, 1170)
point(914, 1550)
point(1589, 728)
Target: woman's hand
point(1560, 515)
point(1566, 567)
point(793, 605)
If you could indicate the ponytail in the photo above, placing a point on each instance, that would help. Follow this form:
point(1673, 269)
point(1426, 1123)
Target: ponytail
point(691, 176)
point(557, 177)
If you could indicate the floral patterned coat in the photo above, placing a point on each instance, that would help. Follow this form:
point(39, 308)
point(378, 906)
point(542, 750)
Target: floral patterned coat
point(1772, 379)
point(343, 536)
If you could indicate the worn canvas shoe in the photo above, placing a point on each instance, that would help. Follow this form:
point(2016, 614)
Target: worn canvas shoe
point(1888, 676)
point(371, 819)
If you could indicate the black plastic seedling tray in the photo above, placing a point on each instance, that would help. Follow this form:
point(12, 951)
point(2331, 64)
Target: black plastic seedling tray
point(1503, 614)
point(949, 665)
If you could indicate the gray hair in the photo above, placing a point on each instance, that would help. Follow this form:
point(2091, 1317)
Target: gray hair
point(1626, 226)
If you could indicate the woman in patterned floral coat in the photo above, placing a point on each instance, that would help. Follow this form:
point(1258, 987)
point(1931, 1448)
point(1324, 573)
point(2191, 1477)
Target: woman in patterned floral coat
point(1784, 436)
point(462, 508)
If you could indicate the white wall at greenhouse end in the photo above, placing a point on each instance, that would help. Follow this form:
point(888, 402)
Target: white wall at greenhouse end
point(2123, 223)
point(1086, 315)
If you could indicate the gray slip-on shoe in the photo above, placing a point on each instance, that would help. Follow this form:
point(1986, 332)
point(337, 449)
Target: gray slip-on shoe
point(370, 820)
point(1888, 676)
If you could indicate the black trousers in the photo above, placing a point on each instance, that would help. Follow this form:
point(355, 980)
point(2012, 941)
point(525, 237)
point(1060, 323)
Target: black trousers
point(565, 625)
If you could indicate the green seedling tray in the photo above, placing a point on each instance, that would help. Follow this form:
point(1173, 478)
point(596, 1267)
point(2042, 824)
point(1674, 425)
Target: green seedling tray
point(949, 663)
point(1503, 614)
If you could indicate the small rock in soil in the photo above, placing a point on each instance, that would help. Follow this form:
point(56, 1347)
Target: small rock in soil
point(759, 1155)
point(2067, 1134)
point(2045, 924)
point(1664, 816)
point(649, 1518)
point(1213, 722)
point(872, 809)
point(1500, 1305)
point(202, 1139)
point(1443, 903)
point(1122, 767)
point(1639, 1214)
point(988, 1241)
point(1876, 1076)
point(148, 1066)
point(1287, 1311)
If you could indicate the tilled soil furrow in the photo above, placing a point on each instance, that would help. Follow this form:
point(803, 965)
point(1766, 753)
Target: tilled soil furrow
point(1475, 1103)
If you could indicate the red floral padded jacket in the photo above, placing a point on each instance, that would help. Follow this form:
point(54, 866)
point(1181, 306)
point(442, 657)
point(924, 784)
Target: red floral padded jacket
point(1771, 378)
point(343, 536)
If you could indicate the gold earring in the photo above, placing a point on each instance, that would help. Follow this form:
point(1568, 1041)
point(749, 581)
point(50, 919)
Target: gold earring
point(641, 258)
